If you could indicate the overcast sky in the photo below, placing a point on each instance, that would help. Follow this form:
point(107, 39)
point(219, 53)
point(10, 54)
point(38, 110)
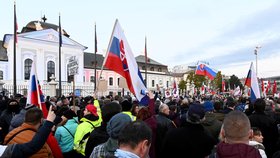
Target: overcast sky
point(223, 33)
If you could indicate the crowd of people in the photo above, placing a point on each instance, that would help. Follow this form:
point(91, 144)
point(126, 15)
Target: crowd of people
point(214, 126)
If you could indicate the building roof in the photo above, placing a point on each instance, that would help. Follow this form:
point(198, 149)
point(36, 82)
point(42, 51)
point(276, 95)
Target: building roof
point(3, 52)
point(89, 60)
point(141, 59)
point(39, 25)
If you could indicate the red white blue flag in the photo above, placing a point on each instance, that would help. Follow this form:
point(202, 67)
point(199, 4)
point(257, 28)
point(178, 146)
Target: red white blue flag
point(119, 58)
point(252, 82)
point(35, 95)
point(205, 70)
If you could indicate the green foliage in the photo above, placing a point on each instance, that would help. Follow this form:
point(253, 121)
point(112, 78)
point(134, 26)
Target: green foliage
point(217, 82)
point(234, 82)
point(197, 79)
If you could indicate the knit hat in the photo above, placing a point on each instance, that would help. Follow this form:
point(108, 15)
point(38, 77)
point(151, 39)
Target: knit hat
point(208, 106)
point(92, 109)
point(195, 113)
point(69, 114)
point(116, 123)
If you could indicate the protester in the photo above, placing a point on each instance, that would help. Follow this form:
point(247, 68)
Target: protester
point(99, 135)
point(89, 122)
point(267, 125)
point(24, 133)
point(31, 147)
point(65, 133)
point(7, 115)
point(256, 141)
point(164, 124)
point(191, 139)
point(134, 141)
point(114, 126)
point(235, 135)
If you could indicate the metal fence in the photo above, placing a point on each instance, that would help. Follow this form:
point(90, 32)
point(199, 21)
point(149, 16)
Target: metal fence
point(81, 90)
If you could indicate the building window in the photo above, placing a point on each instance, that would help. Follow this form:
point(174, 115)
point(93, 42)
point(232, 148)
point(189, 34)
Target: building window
point(159, 70)
point(27, 68)
point(92, 79)
point(167, 84)
point(51, 69)
point(118, 81)
point(143, 67)
point(152, 69)
point(1, 75)
point(153, 83)
point(111, 81)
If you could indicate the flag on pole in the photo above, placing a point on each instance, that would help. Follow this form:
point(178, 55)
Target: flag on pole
point(252, 82)
point(35, 95)
point(223, 85)
point(119, 58)
point(268, 87)
point(175, 89)
point(205, 70)
point(274, 89)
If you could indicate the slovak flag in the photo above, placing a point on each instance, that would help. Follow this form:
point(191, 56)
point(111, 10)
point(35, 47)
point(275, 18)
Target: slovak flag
point(252, 82)
point(119, 58)
point(35, 95)
point(205, 70)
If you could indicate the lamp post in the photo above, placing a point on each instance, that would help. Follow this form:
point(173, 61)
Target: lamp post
point(256, 53)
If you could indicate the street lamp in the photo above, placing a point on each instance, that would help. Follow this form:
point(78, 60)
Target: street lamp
point(256, 53)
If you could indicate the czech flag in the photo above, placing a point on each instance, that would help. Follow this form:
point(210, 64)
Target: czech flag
point(35, 95)
point(205, 70)
point(119, 58)
point(252, 82)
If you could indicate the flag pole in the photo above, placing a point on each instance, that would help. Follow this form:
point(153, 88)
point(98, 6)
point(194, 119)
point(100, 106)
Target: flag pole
point(59, 58)
point(146, 61)
point(15, 41)
point(95, 61)
point(105, 58)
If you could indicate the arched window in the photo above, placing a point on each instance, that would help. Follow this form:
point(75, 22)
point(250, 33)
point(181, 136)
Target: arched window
point(159, 70)
point(51, 69)
point(152, 69)
point(27, 68)
point(1, 75)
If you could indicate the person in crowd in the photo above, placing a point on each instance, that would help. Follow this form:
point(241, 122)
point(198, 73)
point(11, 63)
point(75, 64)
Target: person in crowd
point(99, 135)
point(183, 109)
point(242, 104)
point(191, 139)
point(88, 123)
point(235, 134)
point(114, 126)
point(7, 115)
point(230, 105)
point(33, 146)
point(65, 134)
point(126, 109)
point(134, 141)
point(211, 123)
point(267, 125)
point(135, 108)
point(24, 133)
point(256, 141)
point(164, 124)
point(218, 110)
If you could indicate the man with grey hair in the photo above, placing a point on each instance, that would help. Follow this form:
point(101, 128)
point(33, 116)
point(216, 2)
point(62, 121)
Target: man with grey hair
point(164, 124)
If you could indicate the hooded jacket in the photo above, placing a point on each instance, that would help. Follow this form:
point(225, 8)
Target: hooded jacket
point(238, 150)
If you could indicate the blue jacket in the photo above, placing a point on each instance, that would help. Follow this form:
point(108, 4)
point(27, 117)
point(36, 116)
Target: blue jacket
point(64, 138)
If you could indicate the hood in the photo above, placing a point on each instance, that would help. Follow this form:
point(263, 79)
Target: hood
point(225, 150)
point(209, 119)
